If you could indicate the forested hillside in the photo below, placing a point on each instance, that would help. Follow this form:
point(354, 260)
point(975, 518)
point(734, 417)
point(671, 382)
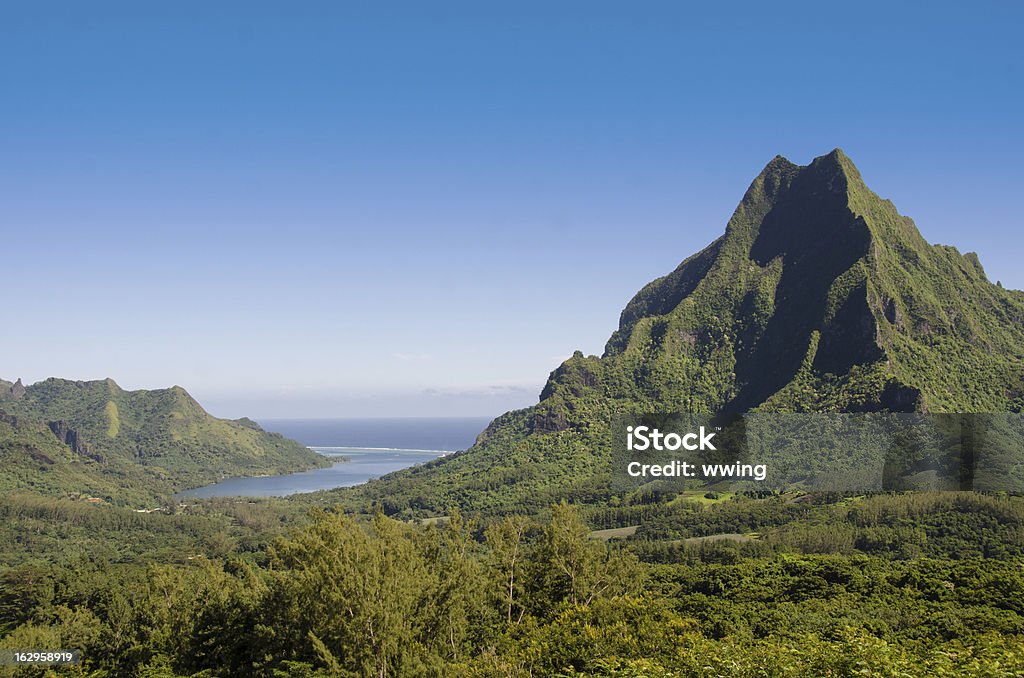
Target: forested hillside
point(92, 439)
point(518, 597)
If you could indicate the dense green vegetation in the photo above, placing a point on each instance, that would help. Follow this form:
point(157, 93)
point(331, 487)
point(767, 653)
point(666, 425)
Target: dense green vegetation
point(517, 597)
point(35, 528)
point(94, 439)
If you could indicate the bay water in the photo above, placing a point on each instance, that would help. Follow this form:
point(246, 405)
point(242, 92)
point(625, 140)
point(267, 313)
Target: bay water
point(364, 449)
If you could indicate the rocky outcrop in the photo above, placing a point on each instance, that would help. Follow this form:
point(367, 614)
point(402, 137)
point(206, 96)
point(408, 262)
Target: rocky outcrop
point(11, 391)
point(73, 439)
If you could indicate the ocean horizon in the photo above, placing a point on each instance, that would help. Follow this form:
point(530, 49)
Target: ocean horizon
point(443, 434)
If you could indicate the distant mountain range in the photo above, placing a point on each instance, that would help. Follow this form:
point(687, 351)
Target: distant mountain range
point(94, 439)
point(819, 297)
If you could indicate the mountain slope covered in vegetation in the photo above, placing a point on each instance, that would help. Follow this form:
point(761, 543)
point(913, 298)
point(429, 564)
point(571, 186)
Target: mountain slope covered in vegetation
point(819, 297)
point(94, 439)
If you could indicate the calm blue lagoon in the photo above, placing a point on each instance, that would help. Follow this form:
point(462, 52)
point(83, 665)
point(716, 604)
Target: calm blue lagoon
point(365, 449)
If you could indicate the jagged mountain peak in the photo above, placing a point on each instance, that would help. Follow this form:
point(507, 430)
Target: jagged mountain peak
point(818, 280)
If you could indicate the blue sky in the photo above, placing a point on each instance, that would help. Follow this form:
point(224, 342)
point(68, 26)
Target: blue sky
point(361, 209)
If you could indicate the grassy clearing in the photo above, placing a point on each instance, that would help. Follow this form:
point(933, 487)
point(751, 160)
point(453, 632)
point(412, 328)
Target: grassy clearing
point(614, 533)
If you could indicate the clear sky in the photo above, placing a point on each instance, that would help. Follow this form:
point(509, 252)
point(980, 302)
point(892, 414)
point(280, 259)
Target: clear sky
point(379, 208)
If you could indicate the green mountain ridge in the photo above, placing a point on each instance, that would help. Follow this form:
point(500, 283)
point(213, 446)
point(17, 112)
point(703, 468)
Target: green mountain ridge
point(820, 284)
point(819, 297)
point(93, 438)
